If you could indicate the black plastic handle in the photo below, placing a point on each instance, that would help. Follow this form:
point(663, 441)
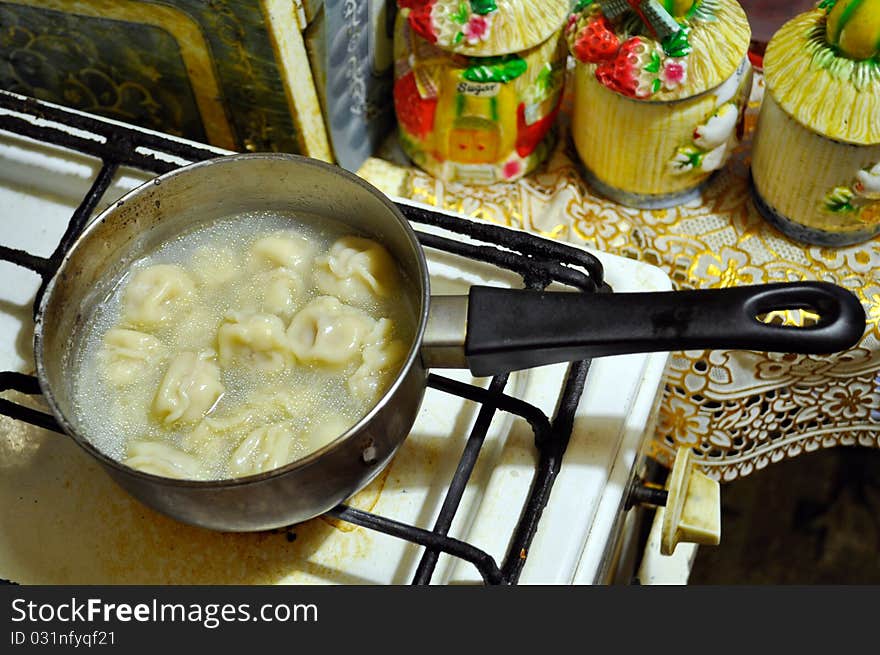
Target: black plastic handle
point(512, 329)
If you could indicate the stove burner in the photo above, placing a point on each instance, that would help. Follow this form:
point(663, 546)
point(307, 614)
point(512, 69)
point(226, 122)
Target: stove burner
point(538, 261)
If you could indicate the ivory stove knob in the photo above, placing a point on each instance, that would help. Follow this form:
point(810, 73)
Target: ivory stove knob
point(693, 506)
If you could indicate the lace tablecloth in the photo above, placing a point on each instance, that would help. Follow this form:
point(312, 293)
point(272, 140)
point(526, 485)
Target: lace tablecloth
point(739, 410)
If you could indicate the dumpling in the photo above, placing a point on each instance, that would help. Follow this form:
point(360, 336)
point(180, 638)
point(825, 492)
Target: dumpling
point(278, 291)
point(215, 436)
point(382, 356)
point(157, 294)
point(281, 291)
point(328, 332)
point(214, 266)
point(161, 459)
point(283, 250)
point(281, 403)
point(267, 448)
point(256, 341)
point(357, 271)
point(379, 365)
point(328, 430)
point(190, 389)
point(128, 354)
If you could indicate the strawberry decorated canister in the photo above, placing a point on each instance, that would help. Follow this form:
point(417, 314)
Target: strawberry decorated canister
point(660, 92)
point(816, 158)
point(478, 85)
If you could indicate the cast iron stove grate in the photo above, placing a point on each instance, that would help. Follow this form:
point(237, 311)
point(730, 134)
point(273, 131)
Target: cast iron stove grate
point(539, 262)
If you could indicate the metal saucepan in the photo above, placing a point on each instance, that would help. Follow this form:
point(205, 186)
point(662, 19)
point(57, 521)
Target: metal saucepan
point(489, 331)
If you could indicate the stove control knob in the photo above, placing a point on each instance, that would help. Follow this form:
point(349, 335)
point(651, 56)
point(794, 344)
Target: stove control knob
point(693, 506)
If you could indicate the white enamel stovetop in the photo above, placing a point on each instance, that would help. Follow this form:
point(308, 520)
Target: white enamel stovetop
point(62, 521)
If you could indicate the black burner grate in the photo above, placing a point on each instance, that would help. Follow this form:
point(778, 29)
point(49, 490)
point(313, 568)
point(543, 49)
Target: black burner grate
point(538, 261)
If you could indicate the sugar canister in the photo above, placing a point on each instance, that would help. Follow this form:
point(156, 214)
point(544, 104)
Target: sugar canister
point(660, 91)
point(478, 85)
point(816, 159)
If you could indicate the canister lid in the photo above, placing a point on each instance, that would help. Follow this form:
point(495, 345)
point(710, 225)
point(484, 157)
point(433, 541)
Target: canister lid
point(485, 28)
point(659, 50)
point(822, 68)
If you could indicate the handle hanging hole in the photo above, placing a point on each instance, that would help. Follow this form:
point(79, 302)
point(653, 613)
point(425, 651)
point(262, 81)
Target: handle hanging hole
point(799, 317)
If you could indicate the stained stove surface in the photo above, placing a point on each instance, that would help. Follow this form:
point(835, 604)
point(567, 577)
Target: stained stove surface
point(63, 521)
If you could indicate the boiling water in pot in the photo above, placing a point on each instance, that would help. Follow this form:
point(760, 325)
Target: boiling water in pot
point(241, 346)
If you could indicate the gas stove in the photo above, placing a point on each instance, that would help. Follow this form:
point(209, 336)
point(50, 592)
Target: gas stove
point(523, 478)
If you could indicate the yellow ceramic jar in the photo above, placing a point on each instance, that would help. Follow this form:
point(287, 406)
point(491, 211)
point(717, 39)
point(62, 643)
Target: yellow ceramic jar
point(660, 91)
point(478, 85)
point(816, 159)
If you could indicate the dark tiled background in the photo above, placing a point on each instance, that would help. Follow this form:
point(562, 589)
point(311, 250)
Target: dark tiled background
point(814, 519)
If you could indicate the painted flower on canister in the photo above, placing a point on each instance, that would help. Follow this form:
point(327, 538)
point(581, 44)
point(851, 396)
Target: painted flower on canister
point(451, 23)
point(476, 29)
point(512, 169)
point(673, 73)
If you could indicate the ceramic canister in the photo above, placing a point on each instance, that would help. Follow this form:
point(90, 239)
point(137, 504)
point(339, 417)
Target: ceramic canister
point(816, 159)
point(660, 92)
point(478, 85)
